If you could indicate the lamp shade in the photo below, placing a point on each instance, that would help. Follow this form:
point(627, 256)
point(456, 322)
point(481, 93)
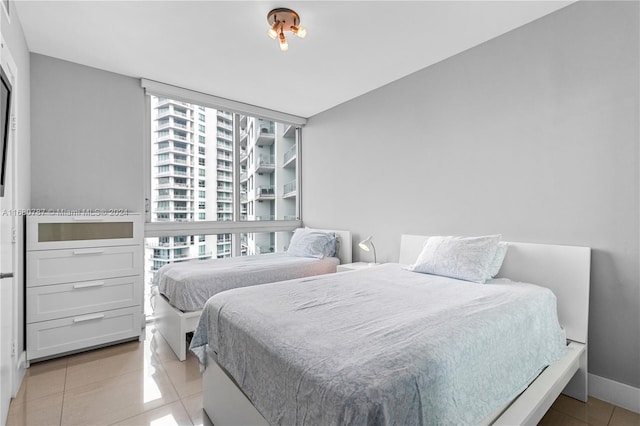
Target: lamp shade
point(367, 245)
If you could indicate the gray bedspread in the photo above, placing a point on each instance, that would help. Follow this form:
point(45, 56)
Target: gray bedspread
point(381, 346)
point(188, 285)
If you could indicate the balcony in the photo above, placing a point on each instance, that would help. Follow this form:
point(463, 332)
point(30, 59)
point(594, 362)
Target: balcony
point(225, 145)
point(181, 126)
point(265, 193)
point(162, 112)
point(225, 135)
point(221, 124)
point(265, 249)
point(224, 177)
point(289, 189)
point(265, 136)
point(265, 164)
point(290, 157)
point(170, 244)
point(179, 113)
point(289, 132)
point(178, 149)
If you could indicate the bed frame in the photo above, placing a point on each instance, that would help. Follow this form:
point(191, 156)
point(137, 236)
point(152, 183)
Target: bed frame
point(563, 269)
point(174, 324)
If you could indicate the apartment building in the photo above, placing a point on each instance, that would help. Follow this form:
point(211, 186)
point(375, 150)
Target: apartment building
point(192, 179)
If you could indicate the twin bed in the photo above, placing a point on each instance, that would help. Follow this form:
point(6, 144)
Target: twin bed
point(181, 289)
point(387, 345)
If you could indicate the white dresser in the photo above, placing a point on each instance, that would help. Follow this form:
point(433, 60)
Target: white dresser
point(84, 282)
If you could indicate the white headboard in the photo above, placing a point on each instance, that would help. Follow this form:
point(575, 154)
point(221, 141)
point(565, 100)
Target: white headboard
point(346, 249)
point(565, 270)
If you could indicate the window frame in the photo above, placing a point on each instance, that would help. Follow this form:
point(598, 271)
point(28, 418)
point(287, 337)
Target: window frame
point(235, 226)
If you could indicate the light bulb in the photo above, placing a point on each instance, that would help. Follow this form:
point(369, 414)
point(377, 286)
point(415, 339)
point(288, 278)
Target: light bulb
point(273, 32)
point(299, 31)
point(284, 46)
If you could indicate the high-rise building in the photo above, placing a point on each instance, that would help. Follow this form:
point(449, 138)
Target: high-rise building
point(192, 179)
point(268, 189)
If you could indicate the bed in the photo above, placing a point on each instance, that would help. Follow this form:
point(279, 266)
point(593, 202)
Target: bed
point(410, 369)
point(181, 289)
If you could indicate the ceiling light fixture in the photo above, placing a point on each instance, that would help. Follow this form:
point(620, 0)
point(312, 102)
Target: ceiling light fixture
point(282, 20)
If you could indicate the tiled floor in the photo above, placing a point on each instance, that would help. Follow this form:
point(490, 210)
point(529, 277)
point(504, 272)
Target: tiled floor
point(134, 383)
point(571, 412)
point(142, 383)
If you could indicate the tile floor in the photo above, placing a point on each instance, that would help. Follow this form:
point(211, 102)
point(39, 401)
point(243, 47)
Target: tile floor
point(133, 383)
point(142, 383)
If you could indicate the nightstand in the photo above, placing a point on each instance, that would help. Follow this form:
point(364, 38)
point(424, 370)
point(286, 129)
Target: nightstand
point(355, 266)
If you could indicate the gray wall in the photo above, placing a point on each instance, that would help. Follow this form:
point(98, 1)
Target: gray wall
point(533, 135)
point(87, 146)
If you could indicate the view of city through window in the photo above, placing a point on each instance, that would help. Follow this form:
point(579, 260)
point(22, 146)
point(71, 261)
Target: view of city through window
point(192, 179)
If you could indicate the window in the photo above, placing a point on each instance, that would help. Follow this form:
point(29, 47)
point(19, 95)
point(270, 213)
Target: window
point(236, 169)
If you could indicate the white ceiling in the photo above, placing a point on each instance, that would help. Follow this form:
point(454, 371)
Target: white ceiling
point(221, 47)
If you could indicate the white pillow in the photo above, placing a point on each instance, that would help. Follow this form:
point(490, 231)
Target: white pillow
point(496, 263)
point(465, 258)
point(307, 242)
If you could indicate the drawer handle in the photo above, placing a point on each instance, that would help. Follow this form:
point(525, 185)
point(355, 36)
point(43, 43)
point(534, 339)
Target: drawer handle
point(88, 318)
point(89, 251)
point(86, 285)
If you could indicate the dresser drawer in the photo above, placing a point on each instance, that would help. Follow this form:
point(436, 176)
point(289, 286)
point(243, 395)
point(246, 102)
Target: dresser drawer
point(83, 297)
point(69, 334)
point(62, 232)
point(60, 266)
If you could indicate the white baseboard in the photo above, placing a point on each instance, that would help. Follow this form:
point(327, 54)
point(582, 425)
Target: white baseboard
point(20, 368)
point(617, 393)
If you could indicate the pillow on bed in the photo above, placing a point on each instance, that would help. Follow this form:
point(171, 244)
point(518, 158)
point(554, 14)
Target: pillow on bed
point(307, 242)
point(464, 258)
point(496, 263)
